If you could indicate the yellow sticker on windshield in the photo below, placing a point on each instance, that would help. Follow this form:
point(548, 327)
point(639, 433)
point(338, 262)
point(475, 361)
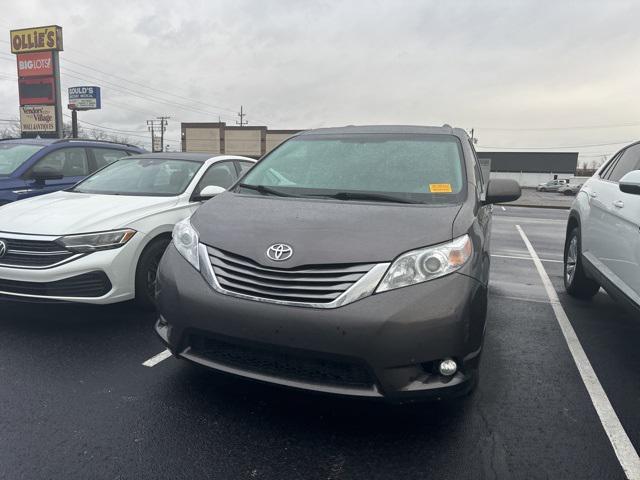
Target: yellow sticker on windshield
point(440, 188)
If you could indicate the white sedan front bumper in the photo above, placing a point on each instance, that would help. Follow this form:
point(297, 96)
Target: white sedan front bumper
point(118, 265)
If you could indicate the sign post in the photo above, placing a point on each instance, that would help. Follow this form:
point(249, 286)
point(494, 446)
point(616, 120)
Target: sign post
point(82, 98)
point(37, 56)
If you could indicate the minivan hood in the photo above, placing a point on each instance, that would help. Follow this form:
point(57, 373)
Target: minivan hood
point(64, 213)
point(320, 231)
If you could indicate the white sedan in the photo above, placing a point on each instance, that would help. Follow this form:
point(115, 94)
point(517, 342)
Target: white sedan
point(101, 241)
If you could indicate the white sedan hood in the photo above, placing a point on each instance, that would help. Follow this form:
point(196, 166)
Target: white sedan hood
point(64, 213)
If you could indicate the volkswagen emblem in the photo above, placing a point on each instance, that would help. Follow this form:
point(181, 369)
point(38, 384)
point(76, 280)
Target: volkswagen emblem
point(279, 252)
point(3, 249)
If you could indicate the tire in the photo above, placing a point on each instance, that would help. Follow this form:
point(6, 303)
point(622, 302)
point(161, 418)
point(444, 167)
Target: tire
point(146, 273)
point(576, 281)
point(543, 189)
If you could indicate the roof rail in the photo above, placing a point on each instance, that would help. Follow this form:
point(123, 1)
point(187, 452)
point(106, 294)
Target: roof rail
point(95, 141)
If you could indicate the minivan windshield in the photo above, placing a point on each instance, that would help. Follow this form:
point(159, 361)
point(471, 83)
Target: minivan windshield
point(13, 155)
point(141, 176)
point(406, 168)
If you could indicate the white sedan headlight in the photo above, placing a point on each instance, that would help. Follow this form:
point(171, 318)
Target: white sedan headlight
point(92, 242)
point(186, 240)
point(427, 263)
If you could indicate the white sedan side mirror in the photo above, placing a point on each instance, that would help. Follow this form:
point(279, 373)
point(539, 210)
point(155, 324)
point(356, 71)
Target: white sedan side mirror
point(210, 191)
point(630, 183)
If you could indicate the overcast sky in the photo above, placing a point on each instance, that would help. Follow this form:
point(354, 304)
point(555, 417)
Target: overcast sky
point(509, 69)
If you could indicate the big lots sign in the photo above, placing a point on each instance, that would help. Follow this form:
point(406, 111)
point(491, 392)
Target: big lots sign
point(35, 64)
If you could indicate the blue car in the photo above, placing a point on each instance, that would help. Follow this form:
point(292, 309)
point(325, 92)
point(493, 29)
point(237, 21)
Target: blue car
point(30, 167)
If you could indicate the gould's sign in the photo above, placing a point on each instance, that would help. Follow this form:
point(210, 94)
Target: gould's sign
point(36, 39)
point(84, 98)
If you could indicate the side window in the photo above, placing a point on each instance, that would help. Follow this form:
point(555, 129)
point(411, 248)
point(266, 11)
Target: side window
point(71, 162)
point(221, 174)
point(607, 170)
point(244, 166)
point(630, 160)
point(106, 156)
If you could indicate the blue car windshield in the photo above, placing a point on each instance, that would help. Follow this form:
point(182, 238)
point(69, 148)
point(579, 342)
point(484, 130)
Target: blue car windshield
point(13, 155)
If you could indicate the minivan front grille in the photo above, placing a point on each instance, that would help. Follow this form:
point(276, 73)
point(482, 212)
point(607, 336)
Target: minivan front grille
point(308, 284)
point(33, 253)
point(281, 363)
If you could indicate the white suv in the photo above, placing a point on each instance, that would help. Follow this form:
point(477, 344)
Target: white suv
point(602, 246)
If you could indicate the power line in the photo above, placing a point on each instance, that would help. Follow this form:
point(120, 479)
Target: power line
point(145, 86)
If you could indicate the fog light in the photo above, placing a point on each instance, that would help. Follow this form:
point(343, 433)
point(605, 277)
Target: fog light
point(448, 367)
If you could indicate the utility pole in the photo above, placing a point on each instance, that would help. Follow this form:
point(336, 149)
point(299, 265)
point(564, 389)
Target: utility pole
point(163, 127)
point(150, 127)
point(74, 123)
point(242, 122)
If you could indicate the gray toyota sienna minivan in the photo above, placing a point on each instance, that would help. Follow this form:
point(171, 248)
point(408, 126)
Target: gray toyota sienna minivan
point(348, 260)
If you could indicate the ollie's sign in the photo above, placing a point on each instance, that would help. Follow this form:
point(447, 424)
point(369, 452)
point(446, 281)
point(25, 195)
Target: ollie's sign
point(37, 64)
point(36, 39)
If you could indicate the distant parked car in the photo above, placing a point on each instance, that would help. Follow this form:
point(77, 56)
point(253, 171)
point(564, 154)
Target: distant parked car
point(570, 189)
point(30, 167)
point(602, 246)
point(101, 241)
point(551, 185)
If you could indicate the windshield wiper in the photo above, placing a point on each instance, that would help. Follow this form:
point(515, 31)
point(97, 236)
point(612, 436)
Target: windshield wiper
point(367, 196)
point(266, 190)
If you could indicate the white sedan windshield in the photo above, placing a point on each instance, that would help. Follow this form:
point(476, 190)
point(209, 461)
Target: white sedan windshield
point(141, 176)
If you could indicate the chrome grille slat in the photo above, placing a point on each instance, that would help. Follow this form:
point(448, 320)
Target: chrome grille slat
point(44, 254)
point(339, 287)
point(357, 268)
point(278, 294)
point(305, 284)
point(351, 277)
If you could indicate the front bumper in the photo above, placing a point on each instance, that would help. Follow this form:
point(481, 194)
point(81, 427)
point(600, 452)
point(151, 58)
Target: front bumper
point(43, 284)
point(394, 339)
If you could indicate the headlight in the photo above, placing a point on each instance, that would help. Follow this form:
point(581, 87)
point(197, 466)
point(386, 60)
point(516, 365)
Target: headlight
point(91, 242)
point(185, 239)
point(427, 263)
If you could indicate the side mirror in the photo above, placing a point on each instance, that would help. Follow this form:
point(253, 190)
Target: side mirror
point(501, 190)
point(41, 176)
point(209, 191)
point(630, 183)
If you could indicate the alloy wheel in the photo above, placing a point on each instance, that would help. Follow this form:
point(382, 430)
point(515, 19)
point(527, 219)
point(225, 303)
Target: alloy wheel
point(572, 259)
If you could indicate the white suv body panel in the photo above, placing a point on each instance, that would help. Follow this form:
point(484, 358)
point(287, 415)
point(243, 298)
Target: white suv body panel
point(610, 233)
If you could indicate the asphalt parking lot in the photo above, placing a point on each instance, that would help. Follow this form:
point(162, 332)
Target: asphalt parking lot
point(76, 401)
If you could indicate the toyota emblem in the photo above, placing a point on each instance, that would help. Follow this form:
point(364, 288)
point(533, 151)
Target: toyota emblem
point(279, 252)
point(3, 249)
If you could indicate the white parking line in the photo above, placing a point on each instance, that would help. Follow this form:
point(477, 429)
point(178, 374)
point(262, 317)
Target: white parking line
point(156, 359)
point(503, 209)
point(525, 258)
point(627, 455)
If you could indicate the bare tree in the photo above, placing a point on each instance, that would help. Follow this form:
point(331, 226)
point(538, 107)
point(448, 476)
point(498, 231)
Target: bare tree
point(11, 130)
